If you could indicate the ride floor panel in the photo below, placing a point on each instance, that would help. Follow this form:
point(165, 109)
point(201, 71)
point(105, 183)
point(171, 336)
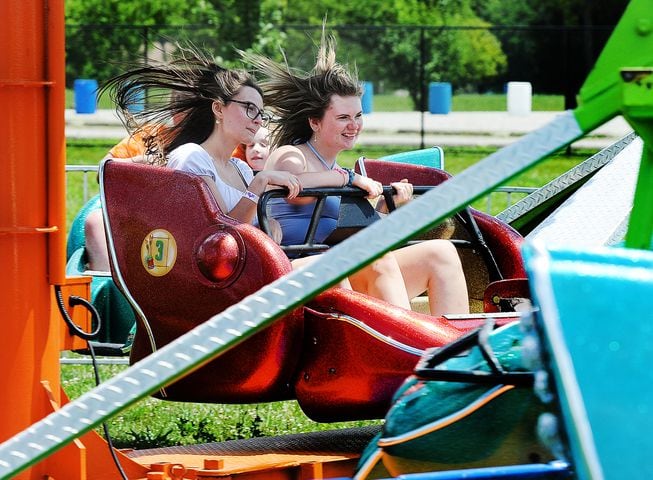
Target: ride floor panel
point(314, 455)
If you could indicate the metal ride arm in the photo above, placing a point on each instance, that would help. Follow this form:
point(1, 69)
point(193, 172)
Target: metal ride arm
point(600, 102)
point(622, 83)
point(241, 321)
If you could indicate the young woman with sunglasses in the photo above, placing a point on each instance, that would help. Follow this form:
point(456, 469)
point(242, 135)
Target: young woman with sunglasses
point(220, 108)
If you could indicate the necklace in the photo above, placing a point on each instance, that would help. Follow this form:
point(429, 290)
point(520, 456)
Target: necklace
point(319, 157)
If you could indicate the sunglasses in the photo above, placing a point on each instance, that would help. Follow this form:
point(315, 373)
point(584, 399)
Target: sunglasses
point(253, 111)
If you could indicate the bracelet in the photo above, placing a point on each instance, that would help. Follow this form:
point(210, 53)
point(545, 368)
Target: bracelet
point(250, 196)
point(351, 176)
point(344, 174)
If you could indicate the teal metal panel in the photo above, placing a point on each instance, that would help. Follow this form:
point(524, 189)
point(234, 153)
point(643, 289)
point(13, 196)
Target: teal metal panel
point(595, 311)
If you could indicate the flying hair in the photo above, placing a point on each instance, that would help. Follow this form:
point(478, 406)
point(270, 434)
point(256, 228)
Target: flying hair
point(295, 96)
point(178, 95)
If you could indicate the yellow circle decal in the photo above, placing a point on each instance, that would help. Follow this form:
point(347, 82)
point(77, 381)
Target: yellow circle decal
point(159, 252)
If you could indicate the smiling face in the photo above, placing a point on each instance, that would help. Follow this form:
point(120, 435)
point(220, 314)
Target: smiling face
point(339, 127)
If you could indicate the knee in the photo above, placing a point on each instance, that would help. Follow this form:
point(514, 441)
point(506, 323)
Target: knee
point(94, 225)
point(385, 266)
point(443, 254)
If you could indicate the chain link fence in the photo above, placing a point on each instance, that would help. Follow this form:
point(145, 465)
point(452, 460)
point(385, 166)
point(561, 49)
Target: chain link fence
point(554, 59)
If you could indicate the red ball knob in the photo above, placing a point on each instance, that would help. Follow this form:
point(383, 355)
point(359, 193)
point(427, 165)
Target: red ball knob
point(219, 256)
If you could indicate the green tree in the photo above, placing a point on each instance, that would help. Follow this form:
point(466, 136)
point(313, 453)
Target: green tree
point(105, 35)
point(394, 42)
point(95, 47)
point(563, 39)
point(121, 32)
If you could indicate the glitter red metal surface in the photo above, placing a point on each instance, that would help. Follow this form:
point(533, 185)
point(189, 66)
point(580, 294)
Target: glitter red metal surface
point(140, 199)
point(342, 357)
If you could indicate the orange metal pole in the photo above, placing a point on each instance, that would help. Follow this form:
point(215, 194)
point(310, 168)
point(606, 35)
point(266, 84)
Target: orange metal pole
point(32, 203)
point(55, 63)
point(33, 236)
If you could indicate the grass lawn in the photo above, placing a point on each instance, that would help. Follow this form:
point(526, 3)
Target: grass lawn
point(158, 423)
point(103, 102)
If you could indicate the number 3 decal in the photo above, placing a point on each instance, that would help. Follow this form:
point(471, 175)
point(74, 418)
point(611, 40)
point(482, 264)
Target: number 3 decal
point(158, 252)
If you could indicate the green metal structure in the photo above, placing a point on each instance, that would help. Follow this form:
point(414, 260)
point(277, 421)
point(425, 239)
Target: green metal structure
point(621, 82)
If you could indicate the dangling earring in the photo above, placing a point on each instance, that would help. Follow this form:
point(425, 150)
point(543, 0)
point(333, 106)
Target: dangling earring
point(217, 121)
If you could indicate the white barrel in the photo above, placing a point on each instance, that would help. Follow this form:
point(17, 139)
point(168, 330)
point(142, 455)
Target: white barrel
point(519, 98)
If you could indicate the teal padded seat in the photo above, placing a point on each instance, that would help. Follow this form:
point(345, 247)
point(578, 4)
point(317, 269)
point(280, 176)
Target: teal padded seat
point(428, 157)
point(116, 314)
point(76, 236)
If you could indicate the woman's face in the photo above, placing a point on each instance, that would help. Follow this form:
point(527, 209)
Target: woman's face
point(341, 124)
point(236, 121)
point(258, 150)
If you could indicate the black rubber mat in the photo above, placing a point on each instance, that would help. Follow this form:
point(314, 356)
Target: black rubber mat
point(347, 440)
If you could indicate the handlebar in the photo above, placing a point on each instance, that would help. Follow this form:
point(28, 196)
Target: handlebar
point(321, 195)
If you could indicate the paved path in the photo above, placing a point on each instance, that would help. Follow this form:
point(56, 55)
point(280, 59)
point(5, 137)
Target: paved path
point(491, 129)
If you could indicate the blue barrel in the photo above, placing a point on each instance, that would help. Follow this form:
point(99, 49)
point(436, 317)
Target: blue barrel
point(138, 104)
point(85, 95)
point(368, 97)
point(439, 97)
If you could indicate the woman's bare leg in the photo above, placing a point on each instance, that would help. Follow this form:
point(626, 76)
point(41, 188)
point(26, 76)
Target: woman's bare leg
point(382, 279)
point(300, 262)
point(434, 266)
point(97, 252)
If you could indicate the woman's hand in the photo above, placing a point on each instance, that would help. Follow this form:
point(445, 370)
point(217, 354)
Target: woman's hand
point(372, 187)
point(404, 192)
point(281, 179)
